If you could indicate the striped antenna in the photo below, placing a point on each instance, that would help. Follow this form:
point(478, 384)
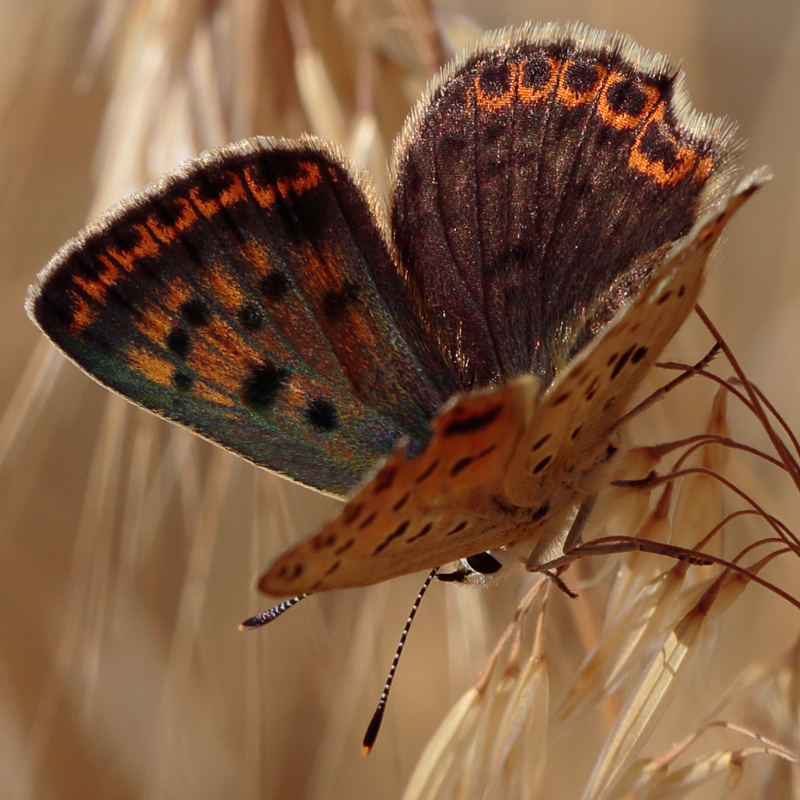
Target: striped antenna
point(377, 718)
point(259, 620)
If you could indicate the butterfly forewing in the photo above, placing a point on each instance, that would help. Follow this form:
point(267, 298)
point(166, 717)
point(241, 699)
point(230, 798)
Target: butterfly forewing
point(252, 298)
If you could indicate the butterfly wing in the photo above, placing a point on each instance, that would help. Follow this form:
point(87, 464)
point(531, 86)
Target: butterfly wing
point(252, 298)
point(417, 513)
point(568, 435)
point(538, 170)
point(504, 465)
point(537, 190)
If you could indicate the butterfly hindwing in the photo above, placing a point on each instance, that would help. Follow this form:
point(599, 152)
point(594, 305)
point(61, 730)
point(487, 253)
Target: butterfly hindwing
point(252, 298)
point(538, 170)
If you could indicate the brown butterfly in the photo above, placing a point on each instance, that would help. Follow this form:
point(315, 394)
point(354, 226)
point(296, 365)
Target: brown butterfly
point(554, 204)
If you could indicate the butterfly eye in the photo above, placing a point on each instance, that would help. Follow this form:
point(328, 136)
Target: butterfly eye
point(485, 563)
point(472, 569)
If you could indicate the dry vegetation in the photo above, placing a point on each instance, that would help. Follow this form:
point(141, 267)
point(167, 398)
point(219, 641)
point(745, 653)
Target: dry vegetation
point(129, 548)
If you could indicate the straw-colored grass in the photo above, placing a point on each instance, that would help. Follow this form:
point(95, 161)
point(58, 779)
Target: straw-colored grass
point(128, 548)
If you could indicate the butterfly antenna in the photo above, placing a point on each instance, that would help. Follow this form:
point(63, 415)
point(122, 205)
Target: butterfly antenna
point(377, 718)
point(259, 620)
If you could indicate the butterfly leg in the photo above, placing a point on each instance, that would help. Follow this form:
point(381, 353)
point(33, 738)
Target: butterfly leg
point(628, 545)
point(575, 547)
point(574, 538)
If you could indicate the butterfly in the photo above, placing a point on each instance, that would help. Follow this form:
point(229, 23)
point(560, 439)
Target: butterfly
point(455, 367)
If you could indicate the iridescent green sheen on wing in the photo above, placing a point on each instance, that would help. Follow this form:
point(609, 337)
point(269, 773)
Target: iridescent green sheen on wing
point(252, 298)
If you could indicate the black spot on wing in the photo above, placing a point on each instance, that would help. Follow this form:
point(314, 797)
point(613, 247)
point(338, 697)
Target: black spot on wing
point(428, 472)
point(368, 521)
point(458, 528)
point(540, 512)
point(251, 317)
point(657, 147)
point(623, 360)
point(343, 548)
point(626, 97)
point(337, 303)
point(424, 531)
point(401, 502)
point(196, 312)
point(536, 71)
point(397, 532)
point(638, 355)
point(461, 465)
point(275, 285)
point(581, 77)
point(182, 382)
point(262, 387)
point(322, 415)
point(179, 342)
point(474, 423)
point(495, 80)
point(541, 442)
point(384, 479)
point(352, 512)
point(542, 464)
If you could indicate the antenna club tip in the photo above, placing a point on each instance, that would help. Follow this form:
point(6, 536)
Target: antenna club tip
point(371, 736)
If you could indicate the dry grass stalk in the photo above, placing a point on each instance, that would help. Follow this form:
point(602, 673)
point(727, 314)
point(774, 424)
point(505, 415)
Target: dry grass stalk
point(125, 671)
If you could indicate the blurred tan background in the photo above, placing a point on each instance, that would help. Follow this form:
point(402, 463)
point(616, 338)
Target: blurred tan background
point(128, 550)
